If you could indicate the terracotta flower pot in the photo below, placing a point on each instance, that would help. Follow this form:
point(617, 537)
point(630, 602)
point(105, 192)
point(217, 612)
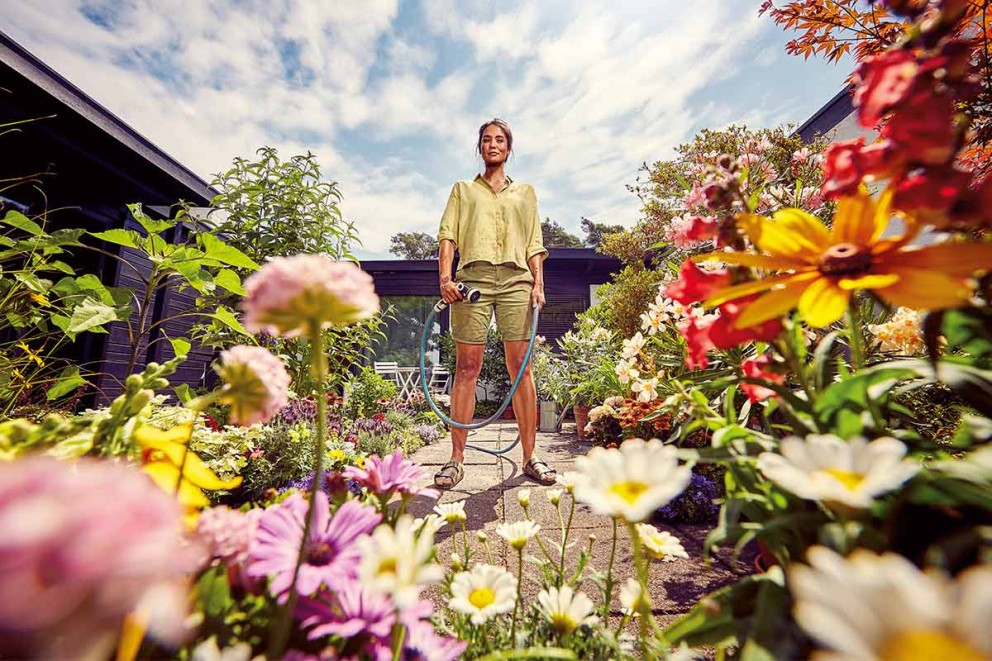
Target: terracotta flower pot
point(508, 413)
point(581, 414)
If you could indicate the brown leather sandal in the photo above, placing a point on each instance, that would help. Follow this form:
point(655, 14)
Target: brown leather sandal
point(539, 471)
point(449, 475)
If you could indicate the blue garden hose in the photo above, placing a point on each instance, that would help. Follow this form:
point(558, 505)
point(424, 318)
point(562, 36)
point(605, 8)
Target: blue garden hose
point(428, 324)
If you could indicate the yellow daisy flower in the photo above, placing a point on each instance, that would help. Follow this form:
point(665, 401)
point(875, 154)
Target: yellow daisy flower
point(817, 269)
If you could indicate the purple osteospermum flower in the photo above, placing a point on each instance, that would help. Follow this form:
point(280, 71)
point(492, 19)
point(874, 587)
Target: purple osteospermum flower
point(331, 556)
point(355, 611)
point(392, 474)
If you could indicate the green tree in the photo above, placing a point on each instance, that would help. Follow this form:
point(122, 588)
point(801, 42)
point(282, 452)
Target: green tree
point(413, 245)
point(270, 207)
point(595, 232)
point(556, 236)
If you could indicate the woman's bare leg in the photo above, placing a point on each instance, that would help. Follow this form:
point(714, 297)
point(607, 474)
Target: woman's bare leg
point(525, 398)
point(468, 363)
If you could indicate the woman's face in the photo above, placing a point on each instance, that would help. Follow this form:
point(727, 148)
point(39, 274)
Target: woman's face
point(493, 146)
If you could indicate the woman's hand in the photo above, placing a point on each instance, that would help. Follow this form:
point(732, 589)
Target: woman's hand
point(537, 295)
point(449, 292)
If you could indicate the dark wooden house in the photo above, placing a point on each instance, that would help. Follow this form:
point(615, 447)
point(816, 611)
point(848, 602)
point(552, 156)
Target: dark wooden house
point(88, 165)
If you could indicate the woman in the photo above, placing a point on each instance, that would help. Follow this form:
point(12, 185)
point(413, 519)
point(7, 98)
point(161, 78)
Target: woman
point(494, 224)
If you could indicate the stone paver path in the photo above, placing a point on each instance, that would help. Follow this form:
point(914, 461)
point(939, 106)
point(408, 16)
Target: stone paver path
point(490, 490)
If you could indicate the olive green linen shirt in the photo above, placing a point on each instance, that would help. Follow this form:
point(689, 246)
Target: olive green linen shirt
point(487, 226)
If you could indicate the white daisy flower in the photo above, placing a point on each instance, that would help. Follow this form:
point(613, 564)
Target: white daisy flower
point(483, 592)
point(647, 390)
point(829, 469)
point(523, 497)
point(517, 534)
point(554, 496)
point(397, 562)
point(872, 606)
point(631, 481)
point(632, 597)
point(429, 525)
point(568, 479)
point(632, 346)
point(451, 512)
point(566, 609)
point(660, 544)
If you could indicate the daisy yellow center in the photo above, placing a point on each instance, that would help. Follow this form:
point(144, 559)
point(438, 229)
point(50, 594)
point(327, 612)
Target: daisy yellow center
point(563, 623)
point(481, 597)
point(387, 566)
point(845, 259)
point(849, 479)
point(629, 491)
point(927, 644)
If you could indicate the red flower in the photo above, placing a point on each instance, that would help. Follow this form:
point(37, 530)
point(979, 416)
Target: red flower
point(930, 189)
point(757, 368)
point(885, 80)
point(701, 228)
point(695, 284)
point(697, 338)
point(924, 126)
point(725, 335)
point(847, 164)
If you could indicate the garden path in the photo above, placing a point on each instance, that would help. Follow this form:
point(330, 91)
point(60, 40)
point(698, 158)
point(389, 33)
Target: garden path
point(490, 489)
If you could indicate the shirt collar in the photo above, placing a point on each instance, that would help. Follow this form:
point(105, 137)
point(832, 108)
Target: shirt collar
point(480, 179)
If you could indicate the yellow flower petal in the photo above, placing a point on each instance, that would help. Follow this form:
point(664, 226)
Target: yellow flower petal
point(756, 261)
point(823, 302)
point(869, 281)
point(958, 259)
point(775, 303)
point(746, 289)
point(165, 475)
point(805, 226)
point(149, 436)
point(925, 290)
point(855, 220)
point(132, 633)
point(781, 240)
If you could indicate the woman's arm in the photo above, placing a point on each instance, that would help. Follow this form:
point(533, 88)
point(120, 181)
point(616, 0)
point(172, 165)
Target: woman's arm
point(536, 264)
point(446, 256)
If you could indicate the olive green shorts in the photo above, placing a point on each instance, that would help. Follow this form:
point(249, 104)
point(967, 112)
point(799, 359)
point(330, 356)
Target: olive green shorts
point(505, 288)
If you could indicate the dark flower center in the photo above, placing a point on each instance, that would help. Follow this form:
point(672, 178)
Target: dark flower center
point(319, 553)
point(845, 259)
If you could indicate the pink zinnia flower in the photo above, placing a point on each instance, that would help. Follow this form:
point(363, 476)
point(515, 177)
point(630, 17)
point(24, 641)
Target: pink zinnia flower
point(394, 474)
point(288, 294)
point(256, 384)
point(353, 611)
point(331, 557)
point(84, 544)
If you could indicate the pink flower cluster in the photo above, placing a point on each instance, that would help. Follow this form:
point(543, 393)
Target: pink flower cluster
point(289, 294)
point(256, 384)
point(83, 545)
point(228, 533)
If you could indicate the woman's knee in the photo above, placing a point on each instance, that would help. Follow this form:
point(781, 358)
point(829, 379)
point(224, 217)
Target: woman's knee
point(468, 367)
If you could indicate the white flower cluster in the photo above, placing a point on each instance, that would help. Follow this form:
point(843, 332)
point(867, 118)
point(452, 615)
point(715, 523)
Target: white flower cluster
point(902, 333)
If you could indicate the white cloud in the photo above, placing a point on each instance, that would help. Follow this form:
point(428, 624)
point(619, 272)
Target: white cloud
point(391, 106)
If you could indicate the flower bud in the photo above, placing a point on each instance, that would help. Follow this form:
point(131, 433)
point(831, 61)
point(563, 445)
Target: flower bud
point(523, 496)
point(456, 562)
point(140, 401)
point(481, 536)
point(133, 382)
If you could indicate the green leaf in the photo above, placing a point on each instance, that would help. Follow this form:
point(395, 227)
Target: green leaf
point(118, 236)
point(216, 248)
point(229, 280)
point(69, 381)
point(23, 223)
point(969, 330)
point(180, 346)
point(90, 314)
point(183, 393)
point(226, 317)
point(151, 226)
point(531, 653)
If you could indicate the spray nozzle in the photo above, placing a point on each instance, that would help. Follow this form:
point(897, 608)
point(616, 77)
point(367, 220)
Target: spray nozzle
point(470, 294)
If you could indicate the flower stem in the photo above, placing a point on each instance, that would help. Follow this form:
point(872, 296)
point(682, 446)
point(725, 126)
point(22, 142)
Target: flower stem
point(399, 633)
point(854, 332)
point(565, 528)
point(318, 368)
point(516, 603)
point(608, 597)
point(465, 542)
point(635, 541)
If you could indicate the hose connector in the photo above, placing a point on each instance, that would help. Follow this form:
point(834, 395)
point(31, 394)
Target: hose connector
point(470, 294)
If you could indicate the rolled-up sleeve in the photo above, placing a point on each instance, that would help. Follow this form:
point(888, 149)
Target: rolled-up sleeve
point(449, 219)
point(535, 243)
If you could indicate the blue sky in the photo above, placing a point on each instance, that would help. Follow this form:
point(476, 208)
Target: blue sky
point(389, 94)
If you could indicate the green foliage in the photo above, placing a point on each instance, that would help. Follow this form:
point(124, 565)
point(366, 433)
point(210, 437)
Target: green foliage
point(269, 207)
point(556, 236)
point(583, 351)
point(595, 233)
point(280, 454)
point(622, 301)
point(364, 392)
point(413, 245)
